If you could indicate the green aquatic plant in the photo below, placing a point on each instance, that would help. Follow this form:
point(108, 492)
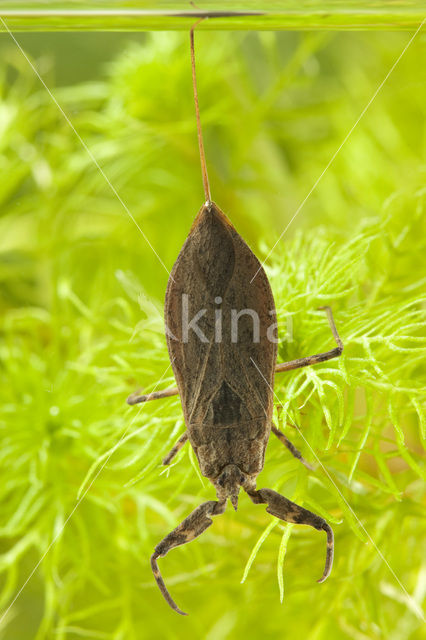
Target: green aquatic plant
point(83, 496)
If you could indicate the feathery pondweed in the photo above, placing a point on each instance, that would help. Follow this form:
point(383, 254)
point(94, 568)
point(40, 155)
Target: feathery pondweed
point(81, 327)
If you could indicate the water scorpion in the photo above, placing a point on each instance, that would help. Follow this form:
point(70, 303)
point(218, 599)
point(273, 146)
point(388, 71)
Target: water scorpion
point(224, 362)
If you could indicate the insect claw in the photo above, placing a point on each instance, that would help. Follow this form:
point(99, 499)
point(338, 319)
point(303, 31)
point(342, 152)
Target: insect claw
point(234, 502)
point(330, 552)
point(162, 586)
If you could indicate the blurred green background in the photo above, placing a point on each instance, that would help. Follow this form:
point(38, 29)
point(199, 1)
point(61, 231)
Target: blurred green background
point(81, 296)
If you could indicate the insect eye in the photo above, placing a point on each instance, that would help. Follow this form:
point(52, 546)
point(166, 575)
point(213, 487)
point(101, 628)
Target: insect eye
point(242, 478)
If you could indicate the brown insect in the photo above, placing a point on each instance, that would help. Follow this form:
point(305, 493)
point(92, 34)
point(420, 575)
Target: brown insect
point(224, 361)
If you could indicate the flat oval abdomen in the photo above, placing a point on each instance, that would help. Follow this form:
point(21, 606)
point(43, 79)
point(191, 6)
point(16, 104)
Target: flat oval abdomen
point(221, 341)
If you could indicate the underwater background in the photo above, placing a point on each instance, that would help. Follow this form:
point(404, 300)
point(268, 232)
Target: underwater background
point(83, 496)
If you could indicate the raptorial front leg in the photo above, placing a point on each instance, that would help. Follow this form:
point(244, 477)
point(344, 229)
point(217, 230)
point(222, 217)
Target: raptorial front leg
point(135, 398)
point(290, 446)
point(319, 357)
point(178, 446)
point(289, 511)
point(194, 525)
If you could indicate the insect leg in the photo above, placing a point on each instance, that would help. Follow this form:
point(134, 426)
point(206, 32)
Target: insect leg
point(319, 357)
point(284, 509)
point(197, 522)
point(290, 446)
point(178, 446)
point(135, 398)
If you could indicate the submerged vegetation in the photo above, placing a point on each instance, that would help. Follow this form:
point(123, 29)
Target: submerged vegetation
point(81, 327)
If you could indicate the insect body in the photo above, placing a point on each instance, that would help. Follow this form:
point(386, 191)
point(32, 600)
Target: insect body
point(220, 316)
point(226, 404)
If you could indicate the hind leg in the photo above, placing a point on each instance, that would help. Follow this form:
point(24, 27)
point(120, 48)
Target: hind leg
point(194, 525)
point(318, 357)
point(135, 398)
point(282, 508)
